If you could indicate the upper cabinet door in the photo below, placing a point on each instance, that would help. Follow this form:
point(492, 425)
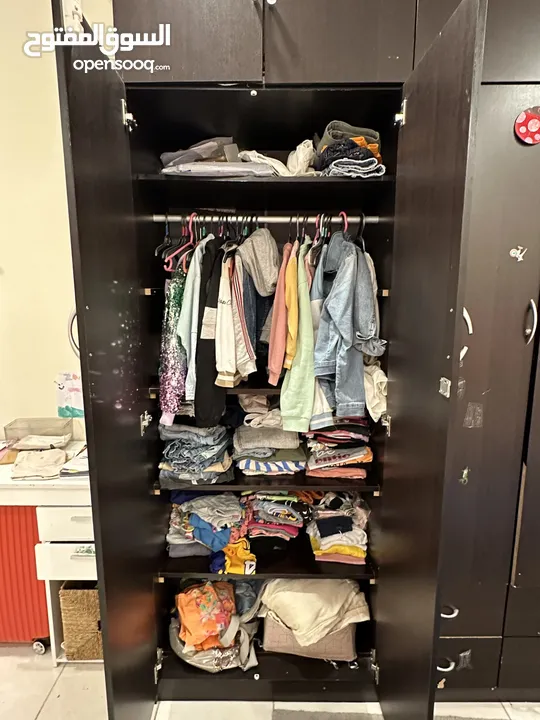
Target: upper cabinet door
point(435, 158)
point(338, 41)
point(211, 40)
point(128, 523)
point(511, 53)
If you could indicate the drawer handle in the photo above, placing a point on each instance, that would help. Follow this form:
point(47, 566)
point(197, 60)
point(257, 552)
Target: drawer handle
point(530, 332)
point(451, 666)
point(81, 518)
point(83, 556)
point(454, 612)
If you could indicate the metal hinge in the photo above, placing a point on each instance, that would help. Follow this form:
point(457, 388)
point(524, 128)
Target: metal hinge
point(400, 118)
point(386, 421)
point(445, 385)
point(158, 665)
point(127, 117)
point(375, 666)
point(145, 419)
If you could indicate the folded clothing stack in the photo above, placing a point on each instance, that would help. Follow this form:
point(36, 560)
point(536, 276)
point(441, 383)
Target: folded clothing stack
point(268, 451)
point(213, 525)
point(340, 450)
point(349, 151)
point(212, 627)
point(277, 514)
point(315, 618)
point(194, 456)
point(337, 531)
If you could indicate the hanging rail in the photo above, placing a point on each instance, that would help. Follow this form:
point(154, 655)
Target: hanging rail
point(271, 219)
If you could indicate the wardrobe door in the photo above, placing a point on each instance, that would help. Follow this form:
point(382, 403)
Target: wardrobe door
point(430, 19)
point(211, 40)
point(128, 524)
point(338, 41)
point(526, 573)
point(512, 53)
point(502, 283)
point(435, 157)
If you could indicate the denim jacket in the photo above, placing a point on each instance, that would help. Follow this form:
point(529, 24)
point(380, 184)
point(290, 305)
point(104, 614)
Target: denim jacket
point(348, 326)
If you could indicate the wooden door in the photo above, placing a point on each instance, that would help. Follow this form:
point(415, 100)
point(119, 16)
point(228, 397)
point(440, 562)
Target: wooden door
point(526, 571)
point(338, 41)
point(435, 157)
point(503, 277)
point(129, 525)
point(211, 40)
point(511, 53)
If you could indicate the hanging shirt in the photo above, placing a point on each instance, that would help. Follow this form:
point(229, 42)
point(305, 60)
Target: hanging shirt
point(188, 323)
point(299, 384)
point(173, 365)
point(291, 301)
point(278, 333)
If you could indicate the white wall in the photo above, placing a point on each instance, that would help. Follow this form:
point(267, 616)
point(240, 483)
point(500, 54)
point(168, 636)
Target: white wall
point(36, 283)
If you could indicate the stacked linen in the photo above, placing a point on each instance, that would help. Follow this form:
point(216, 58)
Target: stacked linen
point(194, 456)
point(349, 151)
point(340, 450)
point(268, 451)
point(337, 531)
point(321, 616)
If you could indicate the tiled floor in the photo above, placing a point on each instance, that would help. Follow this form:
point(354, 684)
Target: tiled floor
point(30, 689)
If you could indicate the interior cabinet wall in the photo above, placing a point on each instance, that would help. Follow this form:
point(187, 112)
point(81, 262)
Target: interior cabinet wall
point(511, 53)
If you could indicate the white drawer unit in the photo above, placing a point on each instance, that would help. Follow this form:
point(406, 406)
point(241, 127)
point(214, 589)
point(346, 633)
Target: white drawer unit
point(65, 523)
point(66, 561)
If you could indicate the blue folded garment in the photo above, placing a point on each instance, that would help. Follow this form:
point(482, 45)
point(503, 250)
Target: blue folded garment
point(207, 535)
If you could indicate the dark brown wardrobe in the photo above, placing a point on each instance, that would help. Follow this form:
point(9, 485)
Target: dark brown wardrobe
point(458, 200)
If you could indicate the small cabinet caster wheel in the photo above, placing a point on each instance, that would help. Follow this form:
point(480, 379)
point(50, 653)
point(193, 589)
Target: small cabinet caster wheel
point(40, 646)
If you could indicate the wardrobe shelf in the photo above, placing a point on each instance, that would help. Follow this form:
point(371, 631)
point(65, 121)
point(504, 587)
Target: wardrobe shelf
point(180, 681)
point(298, 562)
point(274, 180)
point(299, 481)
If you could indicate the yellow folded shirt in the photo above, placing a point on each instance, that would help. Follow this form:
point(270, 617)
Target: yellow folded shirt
point(238, 558)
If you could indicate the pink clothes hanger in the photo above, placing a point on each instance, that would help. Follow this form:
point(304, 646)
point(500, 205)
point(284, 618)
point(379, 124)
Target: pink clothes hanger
point(343, 216)
point(169, 264)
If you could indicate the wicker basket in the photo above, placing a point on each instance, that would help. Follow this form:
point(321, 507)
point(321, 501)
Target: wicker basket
point(79, 604)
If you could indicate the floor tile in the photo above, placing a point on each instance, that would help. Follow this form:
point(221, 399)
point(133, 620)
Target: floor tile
point(489, 711)
point(25, 681)
point(523, 711)
point(331, 707)
point(79, 694)
point(214, 710)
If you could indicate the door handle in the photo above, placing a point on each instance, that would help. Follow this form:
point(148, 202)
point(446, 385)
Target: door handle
point(530, 332)
point(451, 666)
point(454, 612)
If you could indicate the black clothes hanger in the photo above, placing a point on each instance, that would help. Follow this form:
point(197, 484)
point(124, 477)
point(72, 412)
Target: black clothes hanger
point(166, 241)
point(359, 239)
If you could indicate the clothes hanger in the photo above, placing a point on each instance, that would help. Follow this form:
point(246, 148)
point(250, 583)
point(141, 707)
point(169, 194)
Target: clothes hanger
point(166, 240)
point(168, 265)
point(359, 239)
point(343, 216)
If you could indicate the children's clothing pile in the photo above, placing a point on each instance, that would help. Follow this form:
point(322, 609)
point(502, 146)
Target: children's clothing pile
point(337, 531)
point(213, 525)
point(277, 514)
point(194, 456)
point(260, 450)
point(214, 625)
